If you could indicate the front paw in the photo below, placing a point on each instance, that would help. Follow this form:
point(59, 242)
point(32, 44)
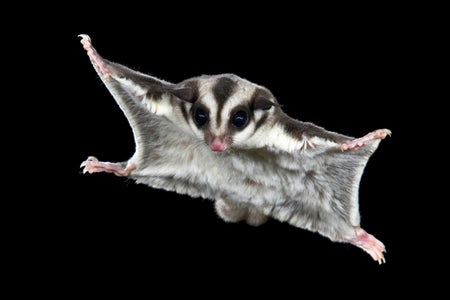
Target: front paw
point(360, 142)
point(90, 165)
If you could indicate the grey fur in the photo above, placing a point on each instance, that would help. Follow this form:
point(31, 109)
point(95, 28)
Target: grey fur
point(315, 187)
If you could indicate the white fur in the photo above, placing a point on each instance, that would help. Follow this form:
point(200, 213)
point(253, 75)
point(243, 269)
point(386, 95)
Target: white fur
point(304, 181)
point(137, 90)
point(160, 106)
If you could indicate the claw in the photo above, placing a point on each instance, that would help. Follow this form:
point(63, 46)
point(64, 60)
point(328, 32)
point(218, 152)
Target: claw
point(383, 133)
point(92, 165)
point(388, 132)
point(84, 37)
point(370, 244)
point(90, 159)
point(99, 64)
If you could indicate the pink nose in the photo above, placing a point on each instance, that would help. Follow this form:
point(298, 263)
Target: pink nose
point(218, 144)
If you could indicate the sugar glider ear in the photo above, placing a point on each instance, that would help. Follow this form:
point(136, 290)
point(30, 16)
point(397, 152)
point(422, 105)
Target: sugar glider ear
point(264, 103)
point(186, 91)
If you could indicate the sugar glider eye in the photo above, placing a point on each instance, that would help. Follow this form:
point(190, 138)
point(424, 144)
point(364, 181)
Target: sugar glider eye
point(200, 117)
point(239, 119)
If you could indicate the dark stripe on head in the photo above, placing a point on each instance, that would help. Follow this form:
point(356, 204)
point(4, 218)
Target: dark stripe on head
point(261, 121)
point(258, 94)
point(193, 86)
point(184, 111)
point(222, 90)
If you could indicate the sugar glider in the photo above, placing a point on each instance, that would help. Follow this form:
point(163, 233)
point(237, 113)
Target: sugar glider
point(226, 139)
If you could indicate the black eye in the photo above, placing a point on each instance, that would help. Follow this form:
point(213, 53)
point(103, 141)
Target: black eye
point(239, 119)
point(200, 117)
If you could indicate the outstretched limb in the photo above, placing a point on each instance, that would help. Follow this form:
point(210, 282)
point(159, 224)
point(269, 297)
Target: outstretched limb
point(93, 165)
point(362, 141)
point(369, 244)
point(98, 63)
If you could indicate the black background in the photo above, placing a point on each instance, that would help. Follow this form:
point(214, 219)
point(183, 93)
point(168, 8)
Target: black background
point(348, 72)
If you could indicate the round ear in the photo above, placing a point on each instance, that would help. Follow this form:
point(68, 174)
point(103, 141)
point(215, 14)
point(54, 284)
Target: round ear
point(262, 102)
point(184, 93)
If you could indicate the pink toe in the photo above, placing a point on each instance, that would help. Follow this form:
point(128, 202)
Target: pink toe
point(369, 243)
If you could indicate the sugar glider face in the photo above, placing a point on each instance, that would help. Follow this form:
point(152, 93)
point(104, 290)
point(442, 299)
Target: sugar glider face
point(227, 110)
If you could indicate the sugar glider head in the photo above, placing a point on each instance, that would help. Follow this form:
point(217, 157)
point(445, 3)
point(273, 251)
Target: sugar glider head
point(225, 110)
